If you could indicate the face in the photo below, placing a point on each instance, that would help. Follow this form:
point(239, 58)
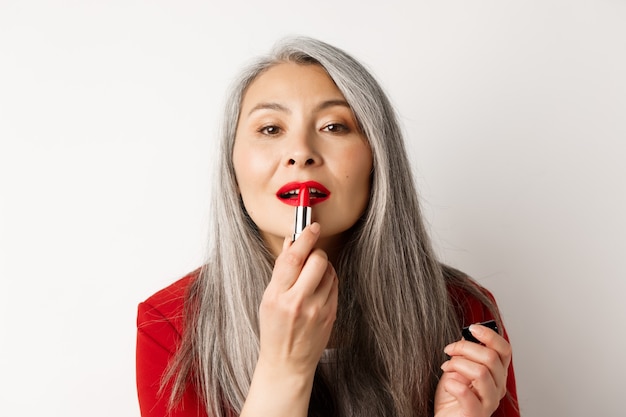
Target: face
point(295, 129)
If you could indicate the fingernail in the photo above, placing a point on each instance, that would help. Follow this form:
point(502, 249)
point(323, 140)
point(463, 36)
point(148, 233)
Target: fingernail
point(315, 227)
point(444, 365)
point(447, 350)
point(476, 329)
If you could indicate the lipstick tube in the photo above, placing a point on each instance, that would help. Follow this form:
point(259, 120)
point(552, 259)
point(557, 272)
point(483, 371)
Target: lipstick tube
point(303, 213)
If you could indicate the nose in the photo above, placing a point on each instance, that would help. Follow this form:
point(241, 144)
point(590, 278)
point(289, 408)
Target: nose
point(298, 161)
point(302, 152)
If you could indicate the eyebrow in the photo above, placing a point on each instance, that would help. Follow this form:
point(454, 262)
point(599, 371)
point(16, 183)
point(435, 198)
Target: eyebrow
point(331, 103)
point(269, 106)
point(279, 107)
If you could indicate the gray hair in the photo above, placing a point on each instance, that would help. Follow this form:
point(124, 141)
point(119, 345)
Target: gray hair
point(394, 314)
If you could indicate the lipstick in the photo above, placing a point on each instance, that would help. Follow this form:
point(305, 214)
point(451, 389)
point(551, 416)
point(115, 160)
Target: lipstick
point(289, 193)
point(303, 212)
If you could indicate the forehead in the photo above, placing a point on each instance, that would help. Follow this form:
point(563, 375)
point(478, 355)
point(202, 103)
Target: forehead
point(290, 80)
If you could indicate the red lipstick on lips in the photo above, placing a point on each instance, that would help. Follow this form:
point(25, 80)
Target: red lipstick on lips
point(302, 195)
point(290, 193)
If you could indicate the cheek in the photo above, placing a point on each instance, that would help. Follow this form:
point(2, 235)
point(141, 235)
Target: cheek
point(359, 172)
point(356, 179)
point(254, 170)
point(248, 166)
point(365, 178)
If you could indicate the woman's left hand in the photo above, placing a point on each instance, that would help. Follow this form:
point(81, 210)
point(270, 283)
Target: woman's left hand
point(474, 378)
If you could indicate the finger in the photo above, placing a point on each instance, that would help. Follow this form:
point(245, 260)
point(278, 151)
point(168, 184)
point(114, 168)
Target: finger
point(324, 289)
point(493, 340)
point(449, 371)
point(286, 243)
point(468, 401)
point(293, 257)
point(328, 297)
point(312, 273)
point(333, 296)
point(489, 339)
point(475, 361)
point(476, 373)
point(477, 353)
point(480, 380)
point(331, 301)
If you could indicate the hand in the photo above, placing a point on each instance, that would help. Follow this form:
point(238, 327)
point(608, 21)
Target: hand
point(299, 306)
point(474, 379)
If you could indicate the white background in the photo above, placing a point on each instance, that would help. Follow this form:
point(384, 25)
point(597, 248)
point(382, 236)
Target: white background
point(515, 118)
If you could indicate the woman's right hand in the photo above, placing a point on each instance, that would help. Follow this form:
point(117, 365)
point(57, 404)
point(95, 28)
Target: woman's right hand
point(297, 313)
point(299, 306)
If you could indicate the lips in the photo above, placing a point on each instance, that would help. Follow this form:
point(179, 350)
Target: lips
point(288, 193)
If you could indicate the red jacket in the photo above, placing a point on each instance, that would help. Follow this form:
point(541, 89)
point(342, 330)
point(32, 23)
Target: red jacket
point(159, 330)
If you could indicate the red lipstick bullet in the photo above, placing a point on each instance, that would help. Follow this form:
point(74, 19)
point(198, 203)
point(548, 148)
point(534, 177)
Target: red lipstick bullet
point(303, 212)
point(304, 197)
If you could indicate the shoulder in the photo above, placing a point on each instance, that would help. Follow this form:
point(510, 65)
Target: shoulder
point(159, 329)
point(162, 312)
point(473, 303)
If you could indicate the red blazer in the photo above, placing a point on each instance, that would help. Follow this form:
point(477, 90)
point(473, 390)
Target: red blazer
point(159, 330)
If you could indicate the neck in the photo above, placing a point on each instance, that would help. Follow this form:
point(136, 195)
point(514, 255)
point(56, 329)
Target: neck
point(333, 246)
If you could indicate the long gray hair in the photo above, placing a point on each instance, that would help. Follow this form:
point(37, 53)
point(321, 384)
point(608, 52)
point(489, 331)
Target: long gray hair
point(394, 314)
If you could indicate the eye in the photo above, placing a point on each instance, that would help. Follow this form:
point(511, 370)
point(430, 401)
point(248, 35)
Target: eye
point(269, 130)
point(336, 128)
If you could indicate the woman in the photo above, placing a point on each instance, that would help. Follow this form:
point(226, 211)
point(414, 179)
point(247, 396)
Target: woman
point(355, 317)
